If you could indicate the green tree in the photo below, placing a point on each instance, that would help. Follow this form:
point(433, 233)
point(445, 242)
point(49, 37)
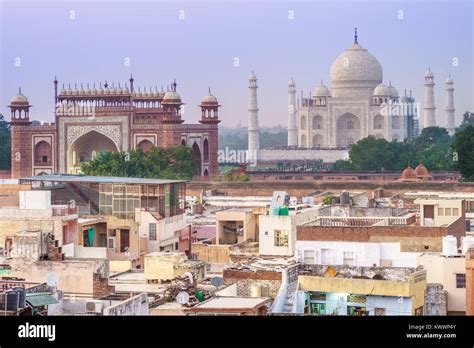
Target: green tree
point(430, 136)
point(463, 147)
point(371, 154)
point(164, 163)
point(5, 143)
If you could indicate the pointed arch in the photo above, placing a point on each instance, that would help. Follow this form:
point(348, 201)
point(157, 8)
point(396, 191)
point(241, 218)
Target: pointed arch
point(145, 145)
point(196, 151)
point(206, 150)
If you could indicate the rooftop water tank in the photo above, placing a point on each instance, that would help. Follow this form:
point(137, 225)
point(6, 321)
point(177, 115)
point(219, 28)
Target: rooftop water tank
point(22, 294)
point(467, 242)
point(9, 300)
point(450, 246)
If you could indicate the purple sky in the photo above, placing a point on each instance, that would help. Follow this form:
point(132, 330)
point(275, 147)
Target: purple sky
point(199, 50)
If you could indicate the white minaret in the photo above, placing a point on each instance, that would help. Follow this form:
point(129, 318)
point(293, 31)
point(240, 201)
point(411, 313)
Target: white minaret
point(292, 130)
point(253, 130)
point(429, 118)
point(450, 124)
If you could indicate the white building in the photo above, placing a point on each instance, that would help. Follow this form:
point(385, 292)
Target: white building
point(277, 234)
point(357, 104)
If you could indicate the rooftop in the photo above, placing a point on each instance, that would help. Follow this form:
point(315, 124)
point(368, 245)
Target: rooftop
point(232, 303)
point(97, 179)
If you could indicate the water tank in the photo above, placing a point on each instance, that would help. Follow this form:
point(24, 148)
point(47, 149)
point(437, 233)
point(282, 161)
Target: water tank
point(256, 290)
point(274, 211)
point(22, 294)
point(345, 197)
point(9, 300)
point(283, 211)
point(467, 242)
point(450, 246)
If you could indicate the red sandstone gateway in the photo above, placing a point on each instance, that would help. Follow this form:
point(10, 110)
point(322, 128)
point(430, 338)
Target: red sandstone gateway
point(89, 120)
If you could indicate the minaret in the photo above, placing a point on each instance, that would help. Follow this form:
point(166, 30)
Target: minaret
point(450, 106)
point(253, 130)
point(292, 131)
point(429, 118)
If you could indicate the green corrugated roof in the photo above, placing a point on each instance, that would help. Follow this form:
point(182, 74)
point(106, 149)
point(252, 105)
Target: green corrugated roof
point(40, 299)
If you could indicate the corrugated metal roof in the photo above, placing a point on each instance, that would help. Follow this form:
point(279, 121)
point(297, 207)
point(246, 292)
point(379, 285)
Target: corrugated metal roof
point(40, 299)
point(98, 179)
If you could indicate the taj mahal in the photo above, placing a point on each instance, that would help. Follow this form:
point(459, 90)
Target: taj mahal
point(356, 105)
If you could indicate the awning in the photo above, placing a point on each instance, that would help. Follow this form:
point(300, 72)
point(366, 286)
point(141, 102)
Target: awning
point(40, 299)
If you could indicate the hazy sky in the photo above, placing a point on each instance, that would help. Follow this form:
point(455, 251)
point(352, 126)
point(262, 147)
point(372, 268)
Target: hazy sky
point(92, 43)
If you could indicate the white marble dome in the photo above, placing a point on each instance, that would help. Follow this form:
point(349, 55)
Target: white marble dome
point(382, 90)
point(356, 67)
point(393, 91)
point(321, 91)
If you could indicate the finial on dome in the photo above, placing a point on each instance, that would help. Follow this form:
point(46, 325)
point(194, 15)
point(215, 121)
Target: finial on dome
point(209, 89)
point(106, 84)
point(19, 90)
point(355, 35)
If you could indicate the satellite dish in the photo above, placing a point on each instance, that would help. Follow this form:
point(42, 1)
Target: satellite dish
point(217, 281)
point(51, 279)
point(182, 297)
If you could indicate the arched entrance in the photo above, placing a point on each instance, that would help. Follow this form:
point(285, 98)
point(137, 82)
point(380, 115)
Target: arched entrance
point(196, 151)
point(145, 145)
point(317, 141)
point(348, 130)
point(43, 154)
point(206, 150)
point(87, 145)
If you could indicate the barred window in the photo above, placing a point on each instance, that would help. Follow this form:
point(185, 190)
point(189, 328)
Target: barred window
point(460, 280)
point(281, 238)
point(152, 231)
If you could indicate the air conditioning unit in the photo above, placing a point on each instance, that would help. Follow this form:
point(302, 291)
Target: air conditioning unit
point(94, 306)
point(111, 243)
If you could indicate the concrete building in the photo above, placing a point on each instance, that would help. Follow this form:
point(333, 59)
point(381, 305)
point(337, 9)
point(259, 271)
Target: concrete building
point(231, 306)
point(360, 291)
point(440, 212)
point(165, 266)
point(129, 216)
point(277, 233)
point(236, 225)
point(450, 272)
point(35, 211)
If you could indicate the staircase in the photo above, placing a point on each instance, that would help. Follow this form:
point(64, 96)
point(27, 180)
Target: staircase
point(77, 191)
point(290, 298)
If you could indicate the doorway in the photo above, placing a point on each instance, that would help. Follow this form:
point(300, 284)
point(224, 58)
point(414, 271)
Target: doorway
point(124, 240)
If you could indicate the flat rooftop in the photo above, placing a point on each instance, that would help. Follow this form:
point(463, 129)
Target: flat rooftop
point(97, 179)
point(217, 303)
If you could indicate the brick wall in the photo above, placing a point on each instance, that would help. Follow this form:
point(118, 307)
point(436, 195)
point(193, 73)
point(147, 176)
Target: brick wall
point(470, 282)
point(100, 286)
point(411, 238)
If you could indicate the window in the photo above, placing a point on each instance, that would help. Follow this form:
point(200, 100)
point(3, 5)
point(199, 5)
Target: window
point(455, 211)
point(447, 211)
point(348, 258)
point(356, 298)
point(440, 211)
point(152, 231)
point(380, 311)
point(460, 280)
point(45, 159)
point(309, 257)
point(176, 246)
point(281, 238)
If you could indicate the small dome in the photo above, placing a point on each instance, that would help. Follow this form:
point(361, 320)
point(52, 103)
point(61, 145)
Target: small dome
point(449, 80)
point(94, 90)
point(382, 90)
point(63, 90)
point(171, 96)
point(393, 91)
point(408, 174)
point(421, 171)
point(291, 82)
point(209, 98)
point(429, 73)
point(321, 91)
point(252, 76)
point(19, 98)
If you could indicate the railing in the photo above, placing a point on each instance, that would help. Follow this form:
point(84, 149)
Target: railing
point(364, 221)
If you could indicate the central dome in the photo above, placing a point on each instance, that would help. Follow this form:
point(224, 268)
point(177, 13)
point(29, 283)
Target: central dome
point(356, 67)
